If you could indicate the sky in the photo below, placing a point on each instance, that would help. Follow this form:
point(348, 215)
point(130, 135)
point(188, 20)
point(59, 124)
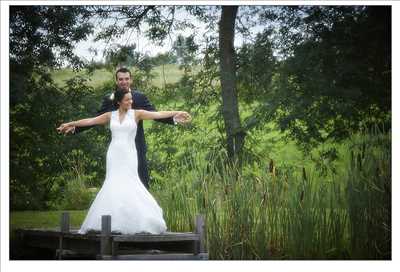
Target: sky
point(85, 48)
point(143, 44)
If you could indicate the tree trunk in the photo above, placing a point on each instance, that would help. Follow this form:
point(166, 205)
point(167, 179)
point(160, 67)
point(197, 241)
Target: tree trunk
point(230, 110)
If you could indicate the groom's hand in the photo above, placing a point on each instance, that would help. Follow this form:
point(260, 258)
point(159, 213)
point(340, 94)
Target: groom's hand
point(182, 117)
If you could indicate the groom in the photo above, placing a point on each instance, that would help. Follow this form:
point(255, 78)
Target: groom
point(124, 80)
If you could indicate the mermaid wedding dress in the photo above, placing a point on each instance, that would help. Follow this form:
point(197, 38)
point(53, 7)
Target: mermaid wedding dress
point(123, 196)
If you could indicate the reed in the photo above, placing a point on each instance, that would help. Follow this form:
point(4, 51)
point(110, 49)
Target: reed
point(264, 211)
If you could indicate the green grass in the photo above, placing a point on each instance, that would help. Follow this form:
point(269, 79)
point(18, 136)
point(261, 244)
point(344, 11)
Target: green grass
point(100, 76)
point(172, 75)
point(44, 219)
point(290, 215)
point(96, 80)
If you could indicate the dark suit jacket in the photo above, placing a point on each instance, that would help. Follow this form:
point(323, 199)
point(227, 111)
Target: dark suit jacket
point(140, 101)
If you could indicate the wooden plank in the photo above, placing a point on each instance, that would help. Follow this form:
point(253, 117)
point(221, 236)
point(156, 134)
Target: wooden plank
point(158, 237)
point(49, 242)
point(90, 246)
point(84, 246)
point(74, 233)
point(172, 247)
point(53, 233)
point(40, 232)
point(106, 242)
point(73, 255)
point(201, 256)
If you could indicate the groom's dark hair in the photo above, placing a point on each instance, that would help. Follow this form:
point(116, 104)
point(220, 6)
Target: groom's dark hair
point(123, 70)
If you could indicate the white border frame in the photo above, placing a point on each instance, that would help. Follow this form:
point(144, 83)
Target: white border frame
point(31, 266)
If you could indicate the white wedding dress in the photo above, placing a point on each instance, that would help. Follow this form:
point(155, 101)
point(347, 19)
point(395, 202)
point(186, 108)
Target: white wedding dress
point(123, 196)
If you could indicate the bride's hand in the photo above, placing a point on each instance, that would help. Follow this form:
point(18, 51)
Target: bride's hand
point(65, 128)
point(182, 117)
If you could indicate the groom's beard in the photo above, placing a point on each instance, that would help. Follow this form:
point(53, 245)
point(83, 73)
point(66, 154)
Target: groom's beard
point(124, 88)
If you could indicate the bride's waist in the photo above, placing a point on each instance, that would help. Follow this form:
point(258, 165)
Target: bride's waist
point(122, 143)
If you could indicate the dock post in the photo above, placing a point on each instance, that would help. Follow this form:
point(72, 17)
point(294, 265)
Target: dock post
point(105, 243)
point(64, 228)
point(65, 222)
point(200, 227)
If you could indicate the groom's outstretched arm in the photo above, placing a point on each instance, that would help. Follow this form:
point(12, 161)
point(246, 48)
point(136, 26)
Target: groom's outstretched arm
point(106, 106)
point(146, 105)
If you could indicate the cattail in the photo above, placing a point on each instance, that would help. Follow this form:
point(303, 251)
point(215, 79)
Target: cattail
point(304, 174)
point(272, 168)
point(378, 171)
point(359, 161)
point(363, 147)
point(264, 199)
point(226, 189)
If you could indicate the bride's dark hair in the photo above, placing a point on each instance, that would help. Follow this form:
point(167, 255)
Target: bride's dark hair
point(118, 96)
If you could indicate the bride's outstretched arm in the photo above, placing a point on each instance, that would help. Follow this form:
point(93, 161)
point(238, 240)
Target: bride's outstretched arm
point(181, 116)
point(99, 120)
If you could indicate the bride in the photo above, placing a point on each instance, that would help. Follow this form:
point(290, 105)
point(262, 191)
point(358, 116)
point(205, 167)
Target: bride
point(123, 196)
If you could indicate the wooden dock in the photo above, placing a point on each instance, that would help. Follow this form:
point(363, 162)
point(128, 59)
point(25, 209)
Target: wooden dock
point(66, 243)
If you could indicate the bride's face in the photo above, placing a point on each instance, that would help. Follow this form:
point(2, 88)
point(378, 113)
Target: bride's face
point(126, 102)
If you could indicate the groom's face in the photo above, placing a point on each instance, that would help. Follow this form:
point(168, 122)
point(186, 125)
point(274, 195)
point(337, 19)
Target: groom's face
point(123, 81)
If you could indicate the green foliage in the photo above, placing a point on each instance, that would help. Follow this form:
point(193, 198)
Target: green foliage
point(185, 50)
point(159, 20)
point(255, 67)
point(36, 32)
point(73, 188)
point(335, 77)
point(369, 195)
point(126, 55)
point(76, 195)
point(37, 105)
point(164, 58)
point(121, 55)
point(35, 145)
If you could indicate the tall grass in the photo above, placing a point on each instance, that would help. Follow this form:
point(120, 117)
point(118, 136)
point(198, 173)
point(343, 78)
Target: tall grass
point(369, 197)
point(262, 212)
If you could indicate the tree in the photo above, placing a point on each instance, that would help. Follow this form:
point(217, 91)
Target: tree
point(41, 38)
point(121, 55)
point(334, 77)
point(234, 132)
point(161, 21)
point(185, 50)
